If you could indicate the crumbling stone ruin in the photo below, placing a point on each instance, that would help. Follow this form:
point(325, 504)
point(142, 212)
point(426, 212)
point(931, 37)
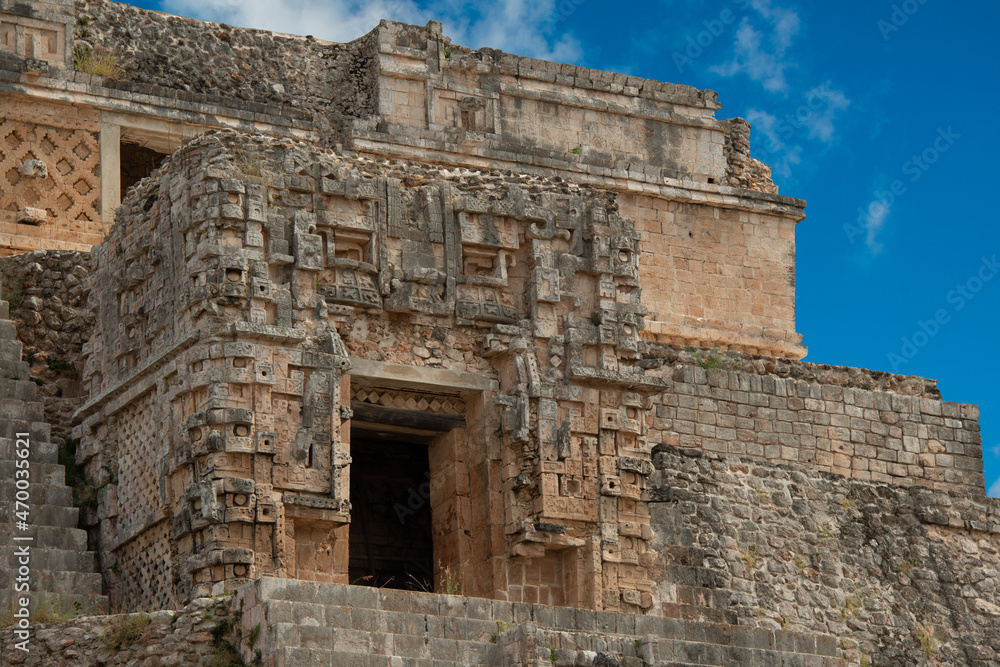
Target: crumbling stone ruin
point(431, 354)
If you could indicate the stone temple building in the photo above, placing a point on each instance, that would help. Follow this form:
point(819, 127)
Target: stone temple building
point(351, 323)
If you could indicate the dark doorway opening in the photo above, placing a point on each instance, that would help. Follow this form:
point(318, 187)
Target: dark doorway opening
point(391, 543)
point(137, 162)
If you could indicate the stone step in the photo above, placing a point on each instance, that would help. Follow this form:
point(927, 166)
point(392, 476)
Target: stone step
point(24, 389)
point(61, 560)
point(15, 408)
point(46, 537)
point(4, 310)
point(10, 350)
point(39, 494)
point(14, 370)
point(41, 473)
point(70, 603)
point(38, 431)
point(64, 588)
point(78, 583)
point(38, 452)
point(7, 330)
point(44, 515)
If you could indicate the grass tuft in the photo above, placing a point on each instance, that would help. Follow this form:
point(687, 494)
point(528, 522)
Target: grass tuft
point(98, 61)
point(126, 629)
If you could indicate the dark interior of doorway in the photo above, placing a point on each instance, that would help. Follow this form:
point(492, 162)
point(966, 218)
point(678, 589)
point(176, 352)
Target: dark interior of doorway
point(391, 543)
point(137, 162)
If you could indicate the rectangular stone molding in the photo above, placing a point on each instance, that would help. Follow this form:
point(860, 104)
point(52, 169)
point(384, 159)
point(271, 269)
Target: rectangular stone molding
point(38, 40)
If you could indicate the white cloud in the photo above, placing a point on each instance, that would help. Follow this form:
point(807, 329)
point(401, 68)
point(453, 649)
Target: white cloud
point(762, 54)
point(994, 491)
point(769, 142)
point(823, 102)
point(777, 139)
point(517, 26)
point(878, 211)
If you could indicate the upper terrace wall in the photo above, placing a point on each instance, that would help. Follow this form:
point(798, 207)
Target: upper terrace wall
point(483, 103)
point(331, 83)
point(488, 107)
point(718, 245)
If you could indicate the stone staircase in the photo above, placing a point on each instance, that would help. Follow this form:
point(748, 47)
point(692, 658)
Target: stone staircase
point(303, 623)
point(62, 571)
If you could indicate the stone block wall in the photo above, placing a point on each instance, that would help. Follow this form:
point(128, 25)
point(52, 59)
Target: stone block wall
point(304, 623)
point(900, 575)
point(717, 276)
point(856, 431)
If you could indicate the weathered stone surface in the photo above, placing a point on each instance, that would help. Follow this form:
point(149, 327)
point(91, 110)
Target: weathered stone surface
point(162, 638)
point(541, 313)
point(902, 575)
point(47, 290)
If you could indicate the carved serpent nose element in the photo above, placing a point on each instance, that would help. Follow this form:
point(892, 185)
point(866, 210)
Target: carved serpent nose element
point(33, 168)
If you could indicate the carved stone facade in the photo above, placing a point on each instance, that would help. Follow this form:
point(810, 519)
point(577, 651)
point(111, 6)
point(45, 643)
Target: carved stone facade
point(263, 309)
point(402, 314)
point(229, 307)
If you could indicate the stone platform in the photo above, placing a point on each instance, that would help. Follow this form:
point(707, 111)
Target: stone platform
point(311, 624)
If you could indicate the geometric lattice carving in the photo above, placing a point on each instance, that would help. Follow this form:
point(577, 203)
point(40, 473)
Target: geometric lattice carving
point(72, 190)
point(410, 400)
point(145, 567)
point(138, 445)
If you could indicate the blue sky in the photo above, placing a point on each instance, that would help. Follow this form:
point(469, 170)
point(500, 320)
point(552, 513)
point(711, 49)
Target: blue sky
point(877, 113)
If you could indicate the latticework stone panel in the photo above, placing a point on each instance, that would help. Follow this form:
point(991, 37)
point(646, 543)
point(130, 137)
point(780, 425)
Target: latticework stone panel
point(69, 191)
point(144, 577)
point(138, 442)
